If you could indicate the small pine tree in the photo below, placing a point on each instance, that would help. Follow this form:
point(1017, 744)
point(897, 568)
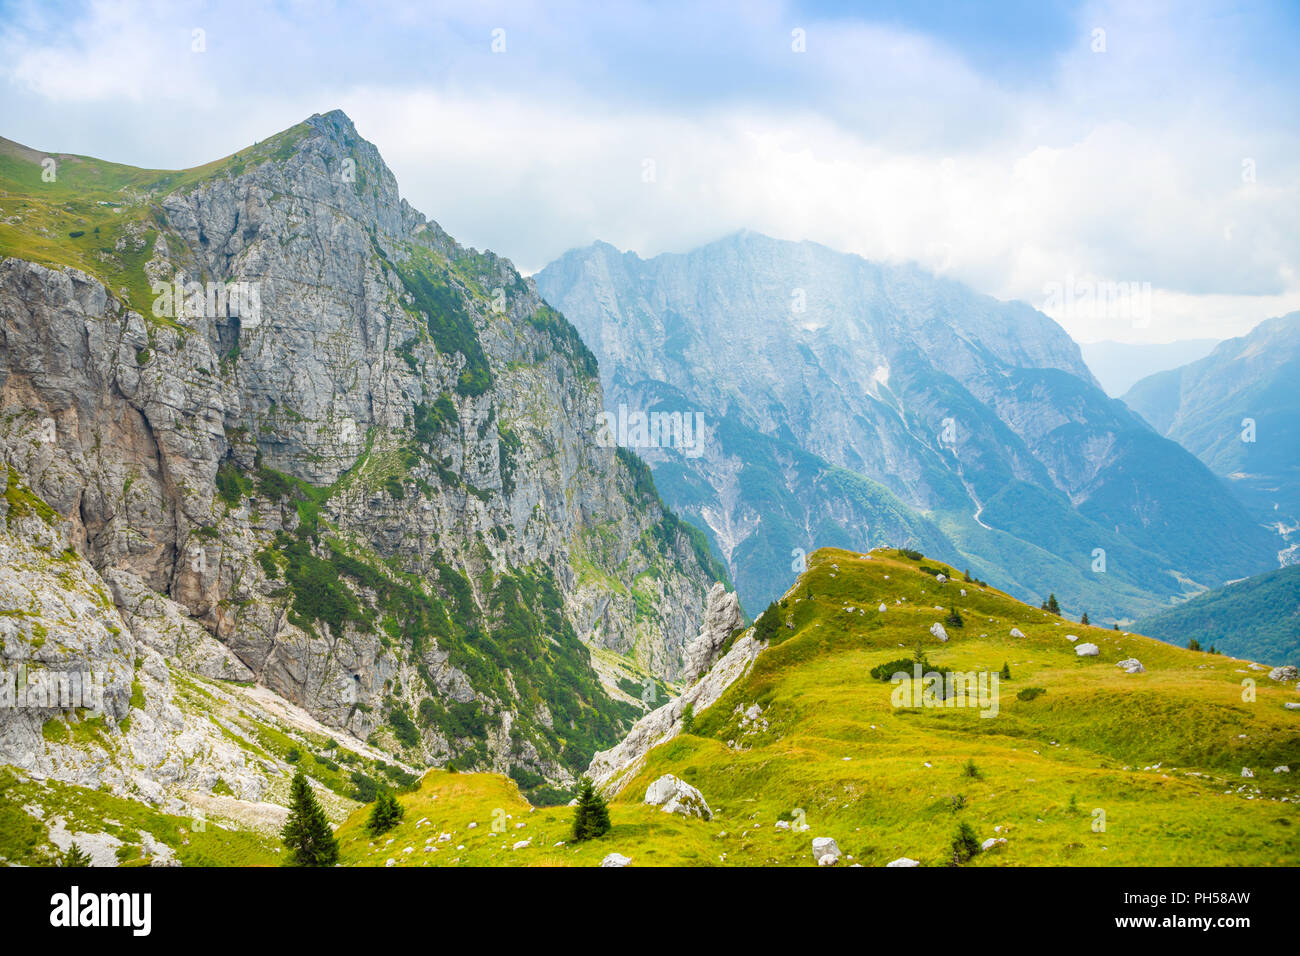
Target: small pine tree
point(1193, 645)
point(954, 619)
point(591, 815)
point(966, 577)
point(307, 834)
point(1212, 650)
point(1006, 671)
point(965, 844)
point(688, 719)
point(1084, 619)
point(1051, 606)
point(1115, 626)
point(385, 814)
point(768, 623)
point(75, 856)
point(972, 770)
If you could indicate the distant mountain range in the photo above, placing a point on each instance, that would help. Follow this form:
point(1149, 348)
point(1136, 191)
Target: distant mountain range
point(858, 404)
point(1119, 365)
point(1238, 410)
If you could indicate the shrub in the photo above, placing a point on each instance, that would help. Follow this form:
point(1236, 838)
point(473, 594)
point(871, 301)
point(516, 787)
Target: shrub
point(1006, 671)
point(1029, 693)
point(688, 719)
point(965, 845)
point(971, 770)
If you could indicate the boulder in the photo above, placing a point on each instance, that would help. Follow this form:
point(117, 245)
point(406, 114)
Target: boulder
point(1017, 632)
point(616, 859)
point(1072, 637)
point(883, 608)
point(825, 851)
point(1285, 672)
point(937, 630)
point(672, 795)
point(904, 861)
point(1247, 772)
point(1290, 705)
point(941, 578)
point(1282, 769)
point(1131, 666)
point(991, 842)
point(1087, 650)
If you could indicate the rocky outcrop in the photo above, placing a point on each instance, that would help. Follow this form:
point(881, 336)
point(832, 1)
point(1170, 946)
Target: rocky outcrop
point(721, 618)
point(612, 769)
point(1287, 672)
point(1131, 665)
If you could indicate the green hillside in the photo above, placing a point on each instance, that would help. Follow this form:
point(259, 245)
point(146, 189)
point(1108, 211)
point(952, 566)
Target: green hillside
point(1160, 753)
point(1257, 618)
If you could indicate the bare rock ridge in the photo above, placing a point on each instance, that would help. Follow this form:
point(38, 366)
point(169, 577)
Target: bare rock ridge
point(374, 490)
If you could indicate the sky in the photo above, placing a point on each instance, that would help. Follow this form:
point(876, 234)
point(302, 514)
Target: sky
point(1131, 168)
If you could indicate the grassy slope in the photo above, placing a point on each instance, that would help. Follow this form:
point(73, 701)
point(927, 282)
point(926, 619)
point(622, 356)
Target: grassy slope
point(99, 216)
point(836, 749)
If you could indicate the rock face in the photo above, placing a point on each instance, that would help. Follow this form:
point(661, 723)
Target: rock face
point(721, 617)
point(853, 397)
point(825, 851)
point(677, 796)
point(379, 493)
point(1131, 666)
point(1087, 650)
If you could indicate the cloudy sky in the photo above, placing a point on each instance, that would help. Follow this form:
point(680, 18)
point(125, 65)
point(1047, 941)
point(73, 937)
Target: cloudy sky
point(1039, 150)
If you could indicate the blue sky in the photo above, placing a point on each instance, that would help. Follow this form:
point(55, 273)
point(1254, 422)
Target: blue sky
point(1016, 146)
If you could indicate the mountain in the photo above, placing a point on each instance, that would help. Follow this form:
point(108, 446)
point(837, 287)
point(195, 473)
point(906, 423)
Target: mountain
point(276, 427)
point(1118, 365)
point(972, 427)
point(1258, 617)
point(1238, 410)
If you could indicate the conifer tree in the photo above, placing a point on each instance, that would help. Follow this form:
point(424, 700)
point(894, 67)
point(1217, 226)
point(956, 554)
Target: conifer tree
point(1051, 606)
point(1006, 671)
point(1084, 619)
point(591, 815)
point(307, 834)
point(75, 856)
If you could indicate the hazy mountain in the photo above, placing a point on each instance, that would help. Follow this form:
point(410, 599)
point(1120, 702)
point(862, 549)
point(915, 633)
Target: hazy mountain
point(1118, 365)
point(1238, 410)
point(978, 416)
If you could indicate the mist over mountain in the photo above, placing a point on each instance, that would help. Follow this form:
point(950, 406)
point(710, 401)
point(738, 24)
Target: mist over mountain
point(1119, 365)
point(973, 427)
point(1238, 410)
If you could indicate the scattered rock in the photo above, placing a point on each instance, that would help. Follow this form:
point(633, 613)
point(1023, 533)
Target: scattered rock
point(672, 795)
point(616, 859)
point(518, 846)
point(1087, 650)
point(1283, 769)
point(883, 608)
point(1247, 772)
point(904, 861)
point(1017, 632)
point(825, 851)
point(937, 630)
point(991, 842)
point(1132, 666)
point(1072, 637)
point(1285, 672)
